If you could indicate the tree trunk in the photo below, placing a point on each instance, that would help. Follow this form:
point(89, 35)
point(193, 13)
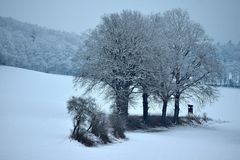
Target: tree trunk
point(145, 107)
point(75, 128)
point(164, 109)
point(176, 109)
point(177, 97)
point(122, 99)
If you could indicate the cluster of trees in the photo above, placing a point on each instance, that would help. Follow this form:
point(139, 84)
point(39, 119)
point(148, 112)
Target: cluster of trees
point(167, 56)
point(37, 48)
point(229, 55)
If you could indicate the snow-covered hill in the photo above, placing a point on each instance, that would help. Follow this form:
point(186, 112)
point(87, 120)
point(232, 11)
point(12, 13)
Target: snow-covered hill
point(38, 48)
point(34, 124)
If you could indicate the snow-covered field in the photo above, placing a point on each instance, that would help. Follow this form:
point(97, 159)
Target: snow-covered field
point(34, 125)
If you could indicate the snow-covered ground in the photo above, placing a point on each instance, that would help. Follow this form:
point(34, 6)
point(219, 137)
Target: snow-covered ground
point(34, 125)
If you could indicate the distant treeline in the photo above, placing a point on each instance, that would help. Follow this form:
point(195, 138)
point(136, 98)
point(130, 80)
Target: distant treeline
point(32, 47)
point(229, 54)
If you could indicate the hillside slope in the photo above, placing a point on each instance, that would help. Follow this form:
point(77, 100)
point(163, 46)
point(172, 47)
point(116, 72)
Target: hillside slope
point(35, 125)
point(37, 48)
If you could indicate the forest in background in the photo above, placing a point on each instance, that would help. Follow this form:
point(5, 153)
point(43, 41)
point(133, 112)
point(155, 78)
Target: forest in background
point(37, 48)
point(229, 55)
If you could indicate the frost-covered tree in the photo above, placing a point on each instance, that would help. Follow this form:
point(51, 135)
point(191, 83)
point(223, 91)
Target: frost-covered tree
point(163, 86)
point(192, 52)
point(147, 67)
point(113, 53)
point(160, 81)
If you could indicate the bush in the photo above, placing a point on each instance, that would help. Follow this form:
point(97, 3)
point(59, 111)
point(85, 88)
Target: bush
point(135, 122)
point(100, 127)
point(118, 124)
point(206, 118)
point(88, 139)
point(90, 124)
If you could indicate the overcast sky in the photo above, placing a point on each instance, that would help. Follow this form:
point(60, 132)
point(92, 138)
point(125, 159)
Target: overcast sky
point(220, 18)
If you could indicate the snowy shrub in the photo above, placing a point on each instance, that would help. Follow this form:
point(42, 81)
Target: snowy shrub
point(205, 117)
point(90, 124)
point(135, 122)
point(118, 124)
point(86, 138)
point(100, 127)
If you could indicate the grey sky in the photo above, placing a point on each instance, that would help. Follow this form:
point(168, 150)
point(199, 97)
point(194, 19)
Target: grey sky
point(220, 18)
